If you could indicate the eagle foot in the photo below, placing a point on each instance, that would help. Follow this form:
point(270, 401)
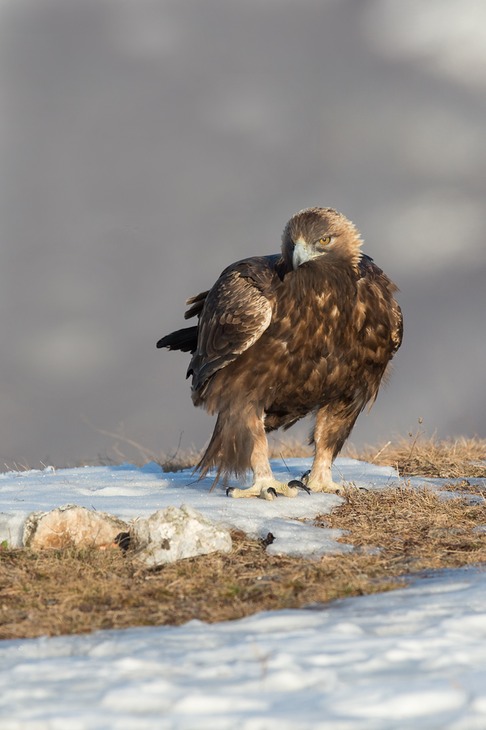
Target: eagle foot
point(266, 489)
point(310, 486)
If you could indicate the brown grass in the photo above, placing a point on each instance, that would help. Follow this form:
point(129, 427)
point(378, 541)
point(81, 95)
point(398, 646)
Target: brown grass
point(428, 457)
point(465, 486)
point(414, 528)
point(72, 591)
point(77, 591)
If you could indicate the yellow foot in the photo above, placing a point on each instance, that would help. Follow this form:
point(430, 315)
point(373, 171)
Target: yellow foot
point(329, 487)
point(265, 489)
point(320, 484)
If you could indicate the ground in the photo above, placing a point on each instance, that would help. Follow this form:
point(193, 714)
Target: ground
point(415, 654)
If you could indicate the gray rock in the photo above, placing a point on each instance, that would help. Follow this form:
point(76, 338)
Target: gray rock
point(176, 533)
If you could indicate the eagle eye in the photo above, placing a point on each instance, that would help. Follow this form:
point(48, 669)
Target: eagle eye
point(324, 241)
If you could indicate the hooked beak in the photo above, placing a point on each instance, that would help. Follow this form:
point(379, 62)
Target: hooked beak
point(302, 252)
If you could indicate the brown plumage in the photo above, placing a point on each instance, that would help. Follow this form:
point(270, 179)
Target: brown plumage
point(309, 330)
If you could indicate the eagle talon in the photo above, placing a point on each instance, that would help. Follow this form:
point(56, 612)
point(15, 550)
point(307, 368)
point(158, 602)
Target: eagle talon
point(299, 485)
point(229, 491)
point(273, 491)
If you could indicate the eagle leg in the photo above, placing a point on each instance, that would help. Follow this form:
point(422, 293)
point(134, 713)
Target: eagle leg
point(264, 484)
point(330, 432)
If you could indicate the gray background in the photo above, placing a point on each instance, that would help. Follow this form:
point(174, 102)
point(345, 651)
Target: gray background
point(146, 144)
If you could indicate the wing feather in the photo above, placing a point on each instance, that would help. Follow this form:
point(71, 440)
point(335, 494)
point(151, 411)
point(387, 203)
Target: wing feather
point(378, 312)
point(236, 312)
point(196, 305)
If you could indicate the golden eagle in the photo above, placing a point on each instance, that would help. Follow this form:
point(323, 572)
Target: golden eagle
point(310, 330)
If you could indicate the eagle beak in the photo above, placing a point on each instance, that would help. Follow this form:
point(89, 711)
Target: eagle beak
point(300, 254)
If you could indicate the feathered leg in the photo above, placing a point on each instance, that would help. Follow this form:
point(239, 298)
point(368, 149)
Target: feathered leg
point(332, 428)
point(264, 483)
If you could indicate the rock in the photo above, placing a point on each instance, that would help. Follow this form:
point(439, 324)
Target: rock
point(164, 537)
point(71, 525)
point(175, 533)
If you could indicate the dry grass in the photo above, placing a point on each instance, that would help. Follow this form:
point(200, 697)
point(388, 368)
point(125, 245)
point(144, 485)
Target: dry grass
point(465, 486)
point(179, 460)
point(428, 457)
point(72, 591)
point(414, 528)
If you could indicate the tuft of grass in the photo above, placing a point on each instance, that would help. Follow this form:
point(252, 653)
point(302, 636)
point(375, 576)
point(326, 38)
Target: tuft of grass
point(415, 529)
point(179, 460)
point(428, 457)
point(466, 487)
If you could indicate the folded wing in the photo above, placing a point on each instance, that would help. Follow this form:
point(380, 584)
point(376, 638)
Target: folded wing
point(236, 312)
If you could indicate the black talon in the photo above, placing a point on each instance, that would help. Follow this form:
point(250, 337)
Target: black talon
point(229, 490)
point(300, 485)
point(272, 490)
point(123, 541)
point(306, 475)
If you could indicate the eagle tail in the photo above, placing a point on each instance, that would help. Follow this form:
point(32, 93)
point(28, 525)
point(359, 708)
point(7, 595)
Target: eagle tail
point(229, 450)
point(184, 339)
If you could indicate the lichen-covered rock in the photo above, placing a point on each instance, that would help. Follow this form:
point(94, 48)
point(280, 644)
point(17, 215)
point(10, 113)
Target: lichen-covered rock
point(175, 533)
point(71, 525)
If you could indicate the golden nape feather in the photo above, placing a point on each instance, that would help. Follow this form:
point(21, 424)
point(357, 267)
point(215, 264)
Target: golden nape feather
point(309, 330)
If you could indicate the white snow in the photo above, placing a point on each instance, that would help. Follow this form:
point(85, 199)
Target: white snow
point(129, 492)
point(413, 658)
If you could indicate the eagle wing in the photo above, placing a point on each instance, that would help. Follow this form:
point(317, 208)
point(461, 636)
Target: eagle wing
point(235, 313)
point(379, 316)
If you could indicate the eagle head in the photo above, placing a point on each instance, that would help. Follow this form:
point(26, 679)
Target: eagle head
point(317, 233)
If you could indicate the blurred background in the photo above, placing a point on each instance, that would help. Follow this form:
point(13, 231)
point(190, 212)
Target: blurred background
point(147, 144)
